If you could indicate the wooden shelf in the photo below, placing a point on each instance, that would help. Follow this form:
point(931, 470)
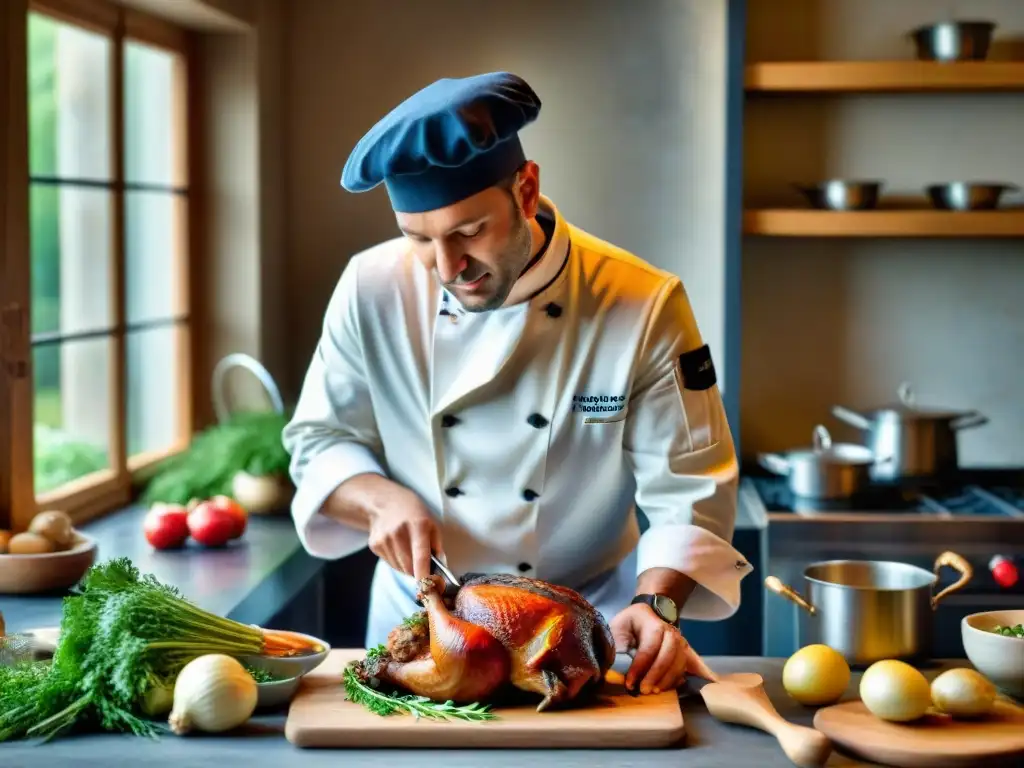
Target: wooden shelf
point(884, 76)
point(884, 223)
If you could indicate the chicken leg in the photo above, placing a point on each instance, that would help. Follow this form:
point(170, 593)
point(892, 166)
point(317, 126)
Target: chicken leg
point(457, 660)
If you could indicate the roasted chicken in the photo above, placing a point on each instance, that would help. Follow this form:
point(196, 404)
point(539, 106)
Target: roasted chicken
point(500, 630)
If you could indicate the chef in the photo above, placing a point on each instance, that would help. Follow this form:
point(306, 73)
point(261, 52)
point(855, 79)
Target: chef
point(501, 387)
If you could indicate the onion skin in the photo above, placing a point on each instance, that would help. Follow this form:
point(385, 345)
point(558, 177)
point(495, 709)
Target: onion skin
point(213, 693)
point(895, 691)
point(963, 694)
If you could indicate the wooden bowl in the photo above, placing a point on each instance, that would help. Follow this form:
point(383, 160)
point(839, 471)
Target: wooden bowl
point(49, 572)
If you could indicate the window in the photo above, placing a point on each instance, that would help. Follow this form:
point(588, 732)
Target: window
point(108, 255)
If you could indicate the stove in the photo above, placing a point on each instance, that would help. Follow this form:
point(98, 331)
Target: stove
point(973, 498)
point(979, 514)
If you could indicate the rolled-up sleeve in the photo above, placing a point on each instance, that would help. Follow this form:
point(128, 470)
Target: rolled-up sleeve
point(682, 455)
point(332, 435)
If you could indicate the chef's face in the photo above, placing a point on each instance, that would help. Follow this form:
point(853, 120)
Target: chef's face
point(479, 246)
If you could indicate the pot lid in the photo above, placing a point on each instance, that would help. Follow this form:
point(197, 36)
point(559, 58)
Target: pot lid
point(825, 450)
point(906, 408)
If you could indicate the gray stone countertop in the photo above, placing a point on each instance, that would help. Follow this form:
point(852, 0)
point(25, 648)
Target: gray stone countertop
point(249, 580)
point(709, 743)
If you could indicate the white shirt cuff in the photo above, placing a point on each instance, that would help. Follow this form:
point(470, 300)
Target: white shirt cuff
point(715, 566)
point(320, 535)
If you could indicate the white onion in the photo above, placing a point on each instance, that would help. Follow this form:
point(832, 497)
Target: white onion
point(963, 693)
point(894, 690)
point(213, 693)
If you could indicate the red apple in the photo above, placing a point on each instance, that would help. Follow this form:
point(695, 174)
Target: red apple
point(166, 526)
point(236, 510)
point(211, 525)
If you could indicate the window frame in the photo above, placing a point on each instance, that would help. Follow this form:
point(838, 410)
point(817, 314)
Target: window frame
point(98, 493)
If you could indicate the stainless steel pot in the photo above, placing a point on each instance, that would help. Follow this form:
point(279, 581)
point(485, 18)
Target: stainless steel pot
point(916, 442)
point(825, 471)
point(869, 610)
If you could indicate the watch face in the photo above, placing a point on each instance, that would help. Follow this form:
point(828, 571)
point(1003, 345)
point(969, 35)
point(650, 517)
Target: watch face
point(667, 608)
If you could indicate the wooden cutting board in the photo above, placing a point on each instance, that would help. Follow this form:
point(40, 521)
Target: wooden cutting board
point(320, 716)
point(931, 742)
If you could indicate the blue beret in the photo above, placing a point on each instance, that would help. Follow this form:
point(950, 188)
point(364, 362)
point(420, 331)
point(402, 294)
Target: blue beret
point(454, 138)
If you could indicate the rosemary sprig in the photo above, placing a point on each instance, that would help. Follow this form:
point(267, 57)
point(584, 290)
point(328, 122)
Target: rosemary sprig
point(384, 704)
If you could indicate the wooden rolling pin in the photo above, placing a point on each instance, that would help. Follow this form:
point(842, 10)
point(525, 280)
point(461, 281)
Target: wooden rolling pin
point(741, 699)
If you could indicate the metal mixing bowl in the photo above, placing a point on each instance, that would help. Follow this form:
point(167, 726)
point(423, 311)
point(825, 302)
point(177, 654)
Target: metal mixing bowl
point(953, 40)
point(842, 194)
point(967, 196)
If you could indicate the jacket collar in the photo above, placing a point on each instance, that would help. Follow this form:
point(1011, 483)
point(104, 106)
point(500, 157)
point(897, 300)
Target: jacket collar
point(551, 262)
point(543, 272)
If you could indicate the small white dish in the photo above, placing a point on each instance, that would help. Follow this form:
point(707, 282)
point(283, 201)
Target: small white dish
point(997, 657)
point(290, 666)
point(276, 693)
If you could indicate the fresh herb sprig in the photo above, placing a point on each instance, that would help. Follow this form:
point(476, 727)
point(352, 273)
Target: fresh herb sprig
point(260, 675)
point(385, 703)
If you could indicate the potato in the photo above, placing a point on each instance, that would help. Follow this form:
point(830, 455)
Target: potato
point(5, 537)
point(54, 525)
point(30, 543)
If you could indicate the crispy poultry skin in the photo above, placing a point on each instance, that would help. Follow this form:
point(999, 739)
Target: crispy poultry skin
point(502, 629)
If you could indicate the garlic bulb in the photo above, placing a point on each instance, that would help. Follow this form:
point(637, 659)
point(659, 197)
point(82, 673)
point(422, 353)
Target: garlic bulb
point(212, 693)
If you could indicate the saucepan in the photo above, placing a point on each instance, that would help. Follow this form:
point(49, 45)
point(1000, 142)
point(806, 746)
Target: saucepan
point(826, 470)
point(871, 610)
point(917, 442)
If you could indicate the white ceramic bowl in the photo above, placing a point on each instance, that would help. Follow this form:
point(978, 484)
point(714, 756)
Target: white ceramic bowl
point(997, 657)
point(290, 666)
point(277, 693)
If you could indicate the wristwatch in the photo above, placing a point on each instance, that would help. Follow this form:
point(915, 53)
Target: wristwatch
point(664, 607)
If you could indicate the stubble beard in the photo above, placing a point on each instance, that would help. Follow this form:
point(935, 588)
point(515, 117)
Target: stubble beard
point(512, 260)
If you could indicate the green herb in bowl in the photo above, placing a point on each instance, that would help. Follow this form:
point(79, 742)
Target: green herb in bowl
point(1014, 631)
point(261, 675)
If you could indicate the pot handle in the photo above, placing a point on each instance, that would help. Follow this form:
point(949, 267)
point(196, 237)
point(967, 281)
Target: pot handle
point(821, 439)
point(852, 418)
point(773, 463)
point(957, 563)
point(774, 583)
point(968, 420)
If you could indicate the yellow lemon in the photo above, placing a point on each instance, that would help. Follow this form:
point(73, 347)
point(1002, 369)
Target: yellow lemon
point(894, 690)
point(816, 675)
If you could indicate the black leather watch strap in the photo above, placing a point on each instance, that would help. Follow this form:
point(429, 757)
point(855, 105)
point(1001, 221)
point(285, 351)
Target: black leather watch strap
point(664, 607)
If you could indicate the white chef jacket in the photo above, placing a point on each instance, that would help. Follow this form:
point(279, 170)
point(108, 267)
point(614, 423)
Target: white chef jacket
point(529, 431)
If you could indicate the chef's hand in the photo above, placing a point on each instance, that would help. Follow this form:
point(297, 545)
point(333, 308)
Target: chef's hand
point(662, 652)
point(403, 533)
